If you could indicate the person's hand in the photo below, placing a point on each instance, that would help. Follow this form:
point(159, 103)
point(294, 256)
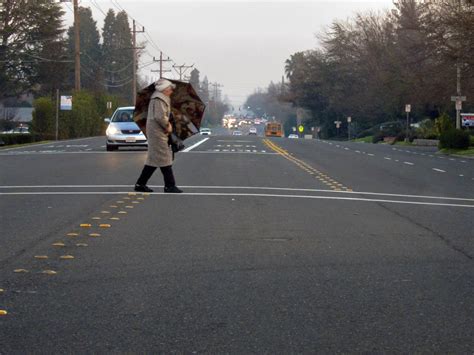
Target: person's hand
point(169, 129)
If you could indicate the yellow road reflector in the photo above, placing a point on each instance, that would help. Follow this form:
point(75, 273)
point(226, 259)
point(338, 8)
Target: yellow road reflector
point(104, 225)
point(126, 198)
point(96, 218)
point(132, 194)
point(128, 206)
point(349, 190)
point(135, 202)
point(94, 235)
point(120, 202)
point(19, 271)
point(146, 194)
point(49, 272)
point(82, 245)
point(66, 257)
point(104, 212)
point(86, 225)
point(41, 257)
point(140, 198)
point(72, 234)
point(59, 244)
point(2, 290)
point(3, 312)
point(123, 212)
point(114, 218)
point(113, 206)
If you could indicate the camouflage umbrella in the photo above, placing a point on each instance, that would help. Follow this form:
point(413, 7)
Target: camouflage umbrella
point(186, 106)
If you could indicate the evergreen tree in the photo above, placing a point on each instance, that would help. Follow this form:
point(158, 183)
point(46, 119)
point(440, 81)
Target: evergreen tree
point(118, 54)
point(29, 32)
point(91, 54)
point(194, 80)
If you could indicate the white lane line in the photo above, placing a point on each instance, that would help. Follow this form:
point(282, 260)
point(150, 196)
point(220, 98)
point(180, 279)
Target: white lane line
point(346, 149)
point(371, 155)
point(461, 175)
point(439, 170)
point(463, 161)
point(408, 163)
point(386, 158)
point(195, 145)
point(213, 194)
point(357, 151)
point(217, 187)
point(40, 144)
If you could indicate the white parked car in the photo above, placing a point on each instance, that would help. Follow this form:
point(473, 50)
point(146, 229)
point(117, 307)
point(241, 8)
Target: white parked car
point(123, 131)
point(293, 136)
point(205, 132)
point(252, 131)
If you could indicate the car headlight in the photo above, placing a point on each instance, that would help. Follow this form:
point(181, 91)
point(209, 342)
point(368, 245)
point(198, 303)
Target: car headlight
point(112, 130)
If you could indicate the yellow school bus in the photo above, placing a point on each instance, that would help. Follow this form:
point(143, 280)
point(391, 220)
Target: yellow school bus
point(273, 129)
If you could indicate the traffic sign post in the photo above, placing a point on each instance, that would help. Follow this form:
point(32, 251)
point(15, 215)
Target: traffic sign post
point(338, 125)
point(349, 122)
point(301, 129)
point(407, 110)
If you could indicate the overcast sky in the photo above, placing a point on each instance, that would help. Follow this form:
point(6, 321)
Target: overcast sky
point(240, 44)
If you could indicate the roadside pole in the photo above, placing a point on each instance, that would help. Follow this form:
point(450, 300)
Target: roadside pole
point(349, 122)
point(57, 114)
point(407, 110)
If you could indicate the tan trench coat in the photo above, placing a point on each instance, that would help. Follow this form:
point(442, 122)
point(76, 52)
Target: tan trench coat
point(159, 152)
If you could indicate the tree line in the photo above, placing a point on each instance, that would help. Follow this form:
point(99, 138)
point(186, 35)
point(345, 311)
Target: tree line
point(37, 57)
point(370, 66)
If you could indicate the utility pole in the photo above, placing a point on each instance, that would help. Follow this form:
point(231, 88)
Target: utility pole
point(161, 61)
point(77, 47)
point(135, 60)
point(182, 69)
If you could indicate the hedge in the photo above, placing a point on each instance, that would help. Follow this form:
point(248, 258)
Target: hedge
point(10, 139)
point(454, 139)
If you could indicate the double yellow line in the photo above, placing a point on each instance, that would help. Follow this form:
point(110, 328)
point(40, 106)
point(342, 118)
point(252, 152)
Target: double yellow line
point(323, 178)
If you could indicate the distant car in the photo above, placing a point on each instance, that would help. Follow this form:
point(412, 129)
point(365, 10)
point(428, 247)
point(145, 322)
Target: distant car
point(293, 136)
point(123, 131)
point(205, 132)
point(252, 131)
point(237, 133)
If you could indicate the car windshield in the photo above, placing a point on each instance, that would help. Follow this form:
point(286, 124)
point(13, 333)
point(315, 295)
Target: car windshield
point(123, 116)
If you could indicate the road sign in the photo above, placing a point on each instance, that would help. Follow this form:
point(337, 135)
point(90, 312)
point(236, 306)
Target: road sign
point(301, 128)
point(349, 119)
point(467, 119)
point(66, 103)
point(458, 98)
point(407, 108)
point(109, 105)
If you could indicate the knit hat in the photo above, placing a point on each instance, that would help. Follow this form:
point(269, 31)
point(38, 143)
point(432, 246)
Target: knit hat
point(163, 84)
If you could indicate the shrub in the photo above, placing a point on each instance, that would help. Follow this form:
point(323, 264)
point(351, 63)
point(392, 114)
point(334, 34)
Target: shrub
point(10, 139)
point(427, 129)
point(44, 121)
point(378, 137)
point(443, 124)
point(454, 139)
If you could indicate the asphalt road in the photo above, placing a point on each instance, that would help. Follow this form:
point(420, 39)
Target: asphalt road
point(276, 246)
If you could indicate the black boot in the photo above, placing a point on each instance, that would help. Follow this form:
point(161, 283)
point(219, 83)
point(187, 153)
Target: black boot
point(170, 183)
point(146, 174)
point(142, 188)
point(173, 190)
